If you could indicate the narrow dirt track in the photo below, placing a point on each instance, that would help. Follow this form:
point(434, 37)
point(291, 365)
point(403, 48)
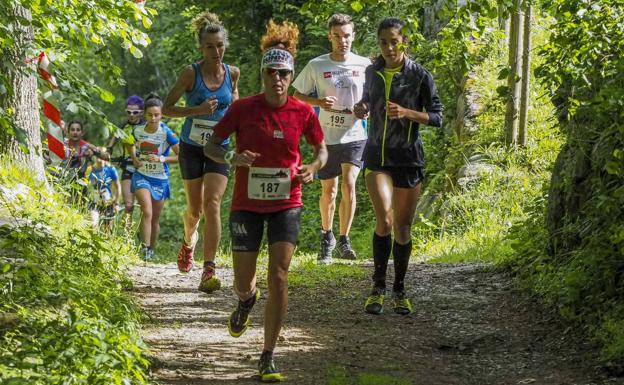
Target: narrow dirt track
point(469, 327)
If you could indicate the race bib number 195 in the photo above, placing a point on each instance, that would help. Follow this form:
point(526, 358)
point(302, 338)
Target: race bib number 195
point(339, 118)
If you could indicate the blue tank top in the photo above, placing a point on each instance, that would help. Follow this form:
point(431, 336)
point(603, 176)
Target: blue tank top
point(198, 129)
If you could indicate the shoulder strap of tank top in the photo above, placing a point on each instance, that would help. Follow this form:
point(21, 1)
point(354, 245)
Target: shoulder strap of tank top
point(198, 76)
point(228, 76)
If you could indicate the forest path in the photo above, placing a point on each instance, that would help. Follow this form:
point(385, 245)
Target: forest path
point(469, 327)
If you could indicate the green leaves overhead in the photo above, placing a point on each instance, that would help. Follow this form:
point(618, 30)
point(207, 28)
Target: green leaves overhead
point(73, 32)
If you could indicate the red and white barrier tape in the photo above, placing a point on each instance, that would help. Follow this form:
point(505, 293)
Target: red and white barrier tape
point(51, 111)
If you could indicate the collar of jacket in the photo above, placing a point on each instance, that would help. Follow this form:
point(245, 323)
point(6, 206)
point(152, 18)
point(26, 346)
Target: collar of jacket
point(380, 63)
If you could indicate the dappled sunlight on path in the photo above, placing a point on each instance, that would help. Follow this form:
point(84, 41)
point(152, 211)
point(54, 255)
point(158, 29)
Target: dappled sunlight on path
point(469, 327)
point(187, 331)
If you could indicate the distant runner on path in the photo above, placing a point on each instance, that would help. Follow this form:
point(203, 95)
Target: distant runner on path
point(134, 117)
point(209, 87)
point(269, 174)
point(400, 95)
point(106, 191)
point(337, 80)
point(150, 182)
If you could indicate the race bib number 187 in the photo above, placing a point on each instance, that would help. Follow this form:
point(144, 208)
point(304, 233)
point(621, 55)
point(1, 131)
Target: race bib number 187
point(268, 183)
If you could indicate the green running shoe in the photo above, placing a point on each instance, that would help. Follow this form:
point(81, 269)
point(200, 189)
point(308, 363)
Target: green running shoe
point(402, 305)
point(374, 302)
point(267, 370)
point(239, 319)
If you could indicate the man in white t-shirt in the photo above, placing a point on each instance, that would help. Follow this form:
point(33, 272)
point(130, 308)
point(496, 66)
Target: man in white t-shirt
point(334, 82)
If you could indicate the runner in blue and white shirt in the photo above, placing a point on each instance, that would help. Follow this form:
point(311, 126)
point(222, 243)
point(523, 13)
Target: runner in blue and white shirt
point(150, 182)
point(105, 194)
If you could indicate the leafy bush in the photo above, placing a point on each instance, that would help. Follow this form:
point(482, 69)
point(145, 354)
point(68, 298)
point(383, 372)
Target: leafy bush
point(64, 318)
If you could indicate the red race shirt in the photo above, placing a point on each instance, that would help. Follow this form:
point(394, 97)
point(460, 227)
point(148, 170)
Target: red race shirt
point(269, 185)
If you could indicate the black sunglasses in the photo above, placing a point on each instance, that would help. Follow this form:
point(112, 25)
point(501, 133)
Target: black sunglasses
point(282, 72)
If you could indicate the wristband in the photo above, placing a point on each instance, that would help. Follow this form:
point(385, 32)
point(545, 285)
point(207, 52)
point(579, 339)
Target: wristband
point(227, 158)
point(162, 159)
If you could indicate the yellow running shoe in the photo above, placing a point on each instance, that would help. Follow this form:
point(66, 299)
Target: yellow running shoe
point(374, 302)
point(402, 305)
point(267, 370)
point(239, 319)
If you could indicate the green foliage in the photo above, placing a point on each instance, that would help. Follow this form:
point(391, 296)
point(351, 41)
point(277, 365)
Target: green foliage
point(569, 249)
point(78, 37)
point(307, 273)
point(64, 317)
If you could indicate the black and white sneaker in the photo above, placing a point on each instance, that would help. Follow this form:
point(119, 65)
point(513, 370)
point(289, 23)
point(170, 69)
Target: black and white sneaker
point(345, 251)
point(328, 243)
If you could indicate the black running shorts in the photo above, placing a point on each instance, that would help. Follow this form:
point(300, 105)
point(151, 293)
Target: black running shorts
point(247, 228)
point(337, 154)
point(194, 164)
point(125, 174)
point(402, 177)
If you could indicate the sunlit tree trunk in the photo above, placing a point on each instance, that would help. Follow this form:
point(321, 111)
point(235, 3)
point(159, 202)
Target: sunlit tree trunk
point(22, 101)
point(526, 75)
point(513, 101)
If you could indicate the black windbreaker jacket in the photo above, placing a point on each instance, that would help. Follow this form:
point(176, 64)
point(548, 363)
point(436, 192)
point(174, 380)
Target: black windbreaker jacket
point(396, 142)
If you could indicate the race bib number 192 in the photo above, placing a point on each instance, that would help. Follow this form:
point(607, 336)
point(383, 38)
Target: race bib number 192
point(201, 130)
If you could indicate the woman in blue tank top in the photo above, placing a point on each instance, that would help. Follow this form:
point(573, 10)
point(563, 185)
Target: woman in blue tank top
point(209, 87)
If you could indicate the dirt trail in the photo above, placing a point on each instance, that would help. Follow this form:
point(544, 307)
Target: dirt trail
point(469, 327)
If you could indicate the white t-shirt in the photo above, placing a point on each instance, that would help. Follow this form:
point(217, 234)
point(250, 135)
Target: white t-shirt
point(345, 81)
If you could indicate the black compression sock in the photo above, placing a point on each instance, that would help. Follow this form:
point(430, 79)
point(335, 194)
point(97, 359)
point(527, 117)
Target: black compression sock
point(401, 255)
point(251, 301)
point(381, 253)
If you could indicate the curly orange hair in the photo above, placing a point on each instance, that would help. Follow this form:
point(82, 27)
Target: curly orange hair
point(284, 36)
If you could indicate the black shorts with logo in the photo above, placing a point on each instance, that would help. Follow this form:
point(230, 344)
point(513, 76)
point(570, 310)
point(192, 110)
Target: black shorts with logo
point(402, 177)
point(247, 228)
point(337, 154)
point(194, 164)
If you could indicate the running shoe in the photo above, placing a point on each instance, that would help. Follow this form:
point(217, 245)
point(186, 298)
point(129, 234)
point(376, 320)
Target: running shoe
point(209, 281)
point(328, 243)
point(267, 370)
point(345, 251)
point(185, 259)
point(374, 302)
point(402, 305)
point(147, 253)
point(239, 319)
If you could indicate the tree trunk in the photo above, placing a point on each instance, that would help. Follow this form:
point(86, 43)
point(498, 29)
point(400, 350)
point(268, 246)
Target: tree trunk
point(526, 75)
point(24, 145)
point(513, 101)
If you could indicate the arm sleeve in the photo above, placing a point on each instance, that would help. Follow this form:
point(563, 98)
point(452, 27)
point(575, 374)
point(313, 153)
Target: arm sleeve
point(365, 92)
point(229, 122)
point(312, 130)
point(304, 83)
point(172, 139)
point(431, 100)
point(113, 174)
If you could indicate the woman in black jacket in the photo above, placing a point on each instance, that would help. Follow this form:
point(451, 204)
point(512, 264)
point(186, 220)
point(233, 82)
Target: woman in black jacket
point(399, 95)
